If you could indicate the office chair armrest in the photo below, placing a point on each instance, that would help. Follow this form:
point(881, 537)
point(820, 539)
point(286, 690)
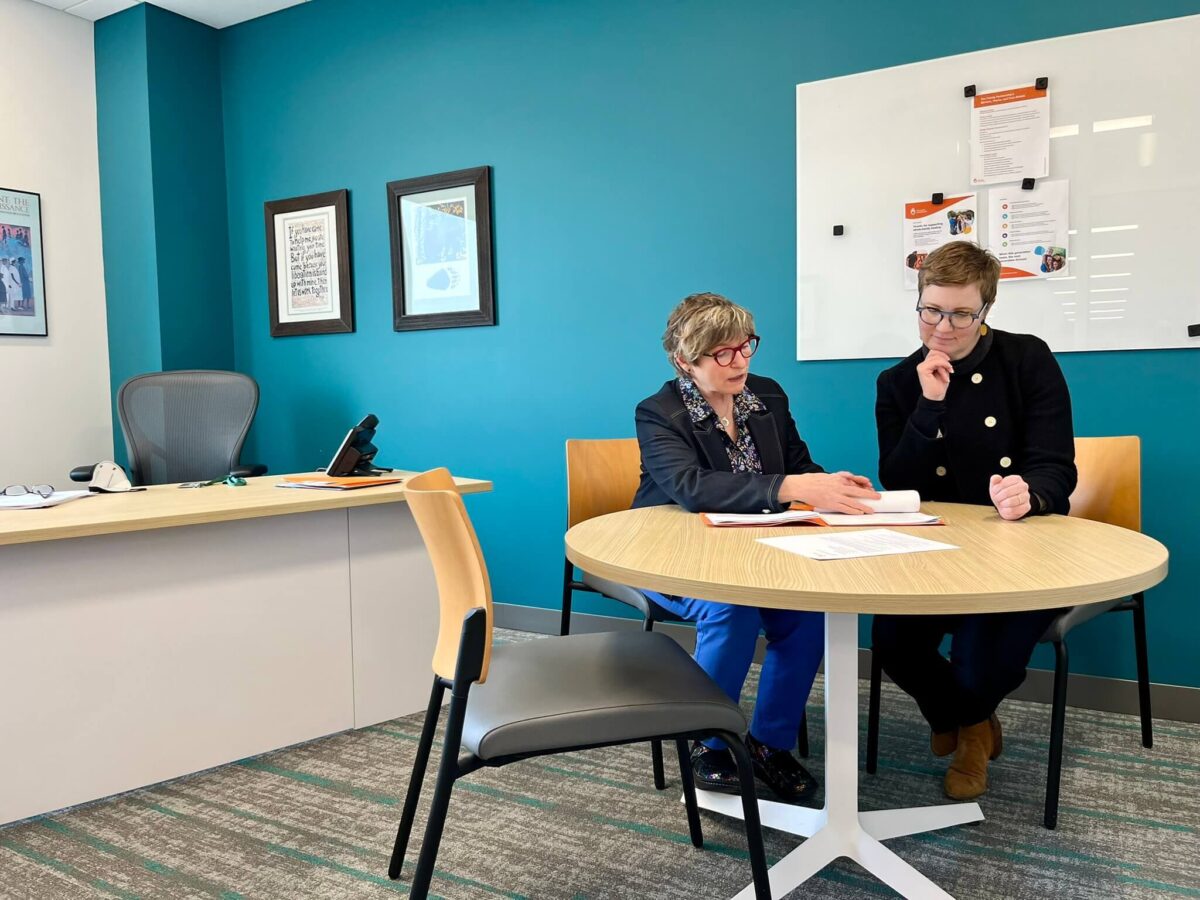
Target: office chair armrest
point(83, 473)
point(249, 471)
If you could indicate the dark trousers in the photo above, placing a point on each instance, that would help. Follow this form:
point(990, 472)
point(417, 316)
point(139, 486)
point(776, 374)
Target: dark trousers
point(988, 656)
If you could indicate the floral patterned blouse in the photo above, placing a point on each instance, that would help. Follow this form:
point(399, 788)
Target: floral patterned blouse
point(743, 454)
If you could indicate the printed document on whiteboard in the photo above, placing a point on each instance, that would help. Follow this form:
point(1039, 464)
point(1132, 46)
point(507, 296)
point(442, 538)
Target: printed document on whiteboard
point(1028, 230)
point(1010, 135)
point(875, 542)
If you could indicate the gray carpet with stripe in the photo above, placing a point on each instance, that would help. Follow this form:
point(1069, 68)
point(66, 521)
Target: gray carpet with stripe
point(318, 821)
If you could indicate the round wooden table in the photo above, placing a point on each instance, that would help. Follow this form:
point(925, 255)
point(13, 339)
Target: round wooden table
point(1042, 562)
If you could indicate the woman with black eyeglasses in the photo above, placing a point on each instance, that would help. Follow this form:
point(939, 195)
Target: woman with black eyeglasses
point(717, 439)
point(974, 416)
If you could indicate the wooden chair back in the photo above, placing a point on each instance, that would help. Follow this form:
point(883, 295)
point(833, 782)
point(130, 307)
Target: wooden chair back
point(602, 477)
point(462, 578)
point(1110, 481)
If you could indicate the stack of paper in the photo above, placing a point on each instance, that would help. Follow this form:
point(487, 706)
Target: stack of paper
point(37, 501)
point(334, 484)
point(787, 517)
point(892, 508)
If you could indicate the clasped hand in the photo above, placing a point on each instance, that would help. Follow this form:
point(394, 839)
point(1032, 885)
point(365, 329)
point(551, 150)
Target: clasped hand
point(841, 492)
point(1010, 495)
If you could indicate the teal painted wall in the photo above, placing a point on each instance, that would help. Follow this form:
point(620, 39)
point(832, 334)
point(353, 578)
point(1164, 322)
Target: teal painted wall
point(127, 200)
point(191, 222)
point(640, 153)
point(162, 191)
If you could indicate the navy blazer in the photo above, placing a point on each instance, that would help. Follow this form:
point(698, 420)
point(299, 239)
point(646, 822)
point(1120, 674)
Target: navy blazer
point(686, 463)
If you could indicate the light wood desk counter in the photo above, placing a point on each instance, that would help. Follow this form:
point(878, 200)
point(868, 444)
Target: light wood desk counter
point(147, 635)
point(1042, 562)
point(168, 506)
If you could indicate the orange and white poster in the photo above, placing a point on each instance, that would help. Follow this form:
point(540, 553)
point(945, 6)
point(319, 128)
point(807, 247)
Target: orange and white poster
point(929, 225)
point(1010, 135)
point(1028, 230)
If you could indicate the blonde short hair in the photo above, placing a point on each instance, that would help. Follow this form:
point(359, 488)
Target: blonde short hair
point(959, 263)
point(702, 322)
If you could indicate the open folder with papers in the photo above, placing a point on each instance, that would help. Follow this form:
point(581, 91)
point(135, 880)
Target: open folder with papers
point(892, 508)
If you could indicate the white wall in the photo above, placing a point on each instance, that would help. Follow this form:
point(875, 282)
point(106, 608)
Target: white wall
point(54, 393)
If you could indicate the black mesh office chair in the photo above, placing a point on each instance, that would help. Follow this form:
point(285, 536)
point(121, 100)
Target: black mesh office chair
point(188, 425)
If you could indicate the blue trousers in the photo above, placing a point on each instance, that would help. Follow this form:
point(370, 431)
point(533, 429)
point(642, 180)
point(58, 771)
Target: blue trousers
point(725, 639)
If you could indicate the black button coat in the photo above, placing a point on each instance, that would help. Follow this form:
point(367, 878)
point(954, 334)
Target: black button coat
point(1007, 412)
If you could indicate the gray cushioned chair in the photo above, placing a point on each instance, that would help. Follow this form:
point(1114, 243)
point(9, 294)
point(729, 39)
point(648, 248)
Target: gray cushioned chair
point(1109, 490)
point(550, 695)
point(187, 425)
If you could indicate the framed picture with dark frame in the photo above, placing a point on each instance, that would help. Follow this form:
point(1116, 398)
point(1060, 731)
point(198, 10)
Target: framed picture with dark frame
point(441, 229)
point(309, 288)
point(22, 275)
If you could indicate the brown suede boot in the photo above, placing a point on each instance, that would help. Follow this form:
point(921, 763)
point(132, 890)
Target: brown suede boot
point(943, 743)
point(966, 778)
point(997, 737)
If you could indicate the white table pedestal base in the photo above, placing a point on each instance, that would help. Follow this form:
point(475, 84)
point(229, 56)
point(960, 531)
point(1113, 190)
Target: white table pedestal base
point(839, 829)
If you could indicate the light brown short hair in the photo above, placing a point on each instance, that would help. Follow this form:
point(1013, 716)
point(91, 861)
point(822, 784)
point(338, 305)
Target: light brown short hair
point(702, 322)
point(961, 262)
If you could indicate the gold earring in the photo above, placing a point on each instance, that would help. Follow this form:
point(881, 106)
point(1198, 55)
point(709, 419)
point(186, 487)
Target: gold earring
point(983, 329)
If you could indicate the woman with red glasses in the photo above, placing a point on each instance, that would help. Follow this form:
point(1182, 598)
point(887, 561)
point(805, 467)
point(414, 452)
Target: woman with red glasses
point(717, 439)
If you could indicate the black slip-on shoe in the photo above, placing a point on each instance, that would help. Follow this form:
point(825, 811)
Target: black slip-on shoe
point(781, 772)
point(715, 770)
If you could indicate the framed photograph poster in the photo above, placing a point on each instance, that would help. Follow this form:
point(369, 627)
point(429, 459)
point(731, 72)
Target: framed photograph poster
point(22, 275)
point(308, 265)
point(441, 229)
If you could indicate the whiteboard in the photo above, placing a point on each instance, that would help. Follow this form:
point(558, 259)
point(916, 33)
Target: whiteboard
point(868, 143)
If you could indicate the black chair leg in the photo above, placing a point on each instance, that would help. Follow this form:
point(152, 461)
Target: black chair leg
point(802, 736)
point(1143, 668)
point(417, 778)
point(447, 773)
point(873, 714)
point(1058, 718)
point(689, 793)
point(656, 751)
point(754, 839)
point(656, 759)
point(564, 624)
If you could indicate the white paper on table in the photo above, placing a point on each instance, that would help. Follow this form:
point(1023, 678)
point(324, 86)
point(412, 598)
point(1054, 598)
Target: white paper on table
point(1010, 135)
point(880, 542)
point(871, 520)
point(890, 502)
point(1028, 230)
point(779, 518)
point(37, 501)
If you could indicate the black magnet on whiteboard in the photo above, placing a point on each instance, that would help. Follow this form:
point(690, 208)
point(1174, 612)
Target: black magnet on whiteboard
point(839, 230)
point(1042, 83)
point(969, 90)
point(1027, 184)
point(1194, 330)
point(936, 200)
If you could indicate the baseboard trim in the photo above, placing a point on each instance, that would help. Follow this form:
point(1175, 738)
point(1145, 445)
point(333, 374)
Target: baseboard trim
point(1168, 701)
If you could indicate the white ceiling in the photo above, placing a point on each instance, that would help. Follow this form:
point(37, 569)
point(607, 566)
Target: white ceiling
point(217, 13)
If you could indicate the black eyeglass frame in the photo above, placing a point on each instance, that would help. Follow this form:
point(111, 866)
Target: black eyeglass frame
point(950, 314)
point(752, 341)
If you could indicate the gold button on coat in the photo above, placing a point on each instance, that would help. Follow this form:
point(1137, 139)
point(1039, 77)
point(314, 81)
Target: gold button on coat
point(990, 421)
point(976, 378)
point(941, 470)
point(1005, 462)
